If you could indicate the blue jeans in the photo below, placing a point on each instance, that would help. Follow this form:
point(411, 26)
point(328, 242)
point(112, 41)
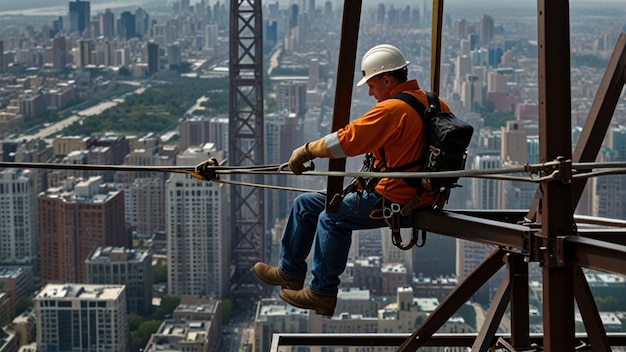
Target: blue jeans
point(330, 233)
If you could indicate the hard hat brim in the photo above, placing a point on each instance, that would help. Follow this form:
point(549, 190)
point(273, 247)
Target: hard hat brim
point(366, 78)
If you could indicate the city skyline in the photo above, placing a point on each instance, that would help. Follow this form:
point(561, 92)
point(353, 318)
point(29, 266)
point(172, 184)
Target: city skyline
point(489, 65)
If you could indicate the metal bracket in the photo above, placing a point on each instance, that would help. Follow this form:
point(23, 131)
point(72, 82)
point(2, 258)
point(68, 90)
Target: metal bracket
point(550, 252)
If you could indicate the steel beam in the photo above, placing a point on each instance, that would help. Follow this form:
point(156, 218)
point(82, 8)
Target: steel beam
point(554, 143)
point(500, 301)
point(343, 91)
point(589, 312)
point(245, 126)
point(512, 237)
point(394, 340)
point(594, 254)
point(451, 304)
point(520, 320)
point(435, 53)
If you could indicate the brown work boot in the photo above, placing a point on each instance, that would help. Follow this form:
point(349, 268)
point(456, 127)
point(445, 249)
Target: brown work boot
point(273, 276)
point(307, 299)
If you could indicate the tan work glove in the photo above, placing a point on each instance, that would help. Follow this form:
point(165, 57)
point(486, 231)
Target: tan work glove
point(309, 151)
point(298, 157)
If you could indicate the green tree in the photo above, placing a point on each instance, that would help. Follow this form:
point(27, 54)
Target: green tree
point(159, 273)
point(141, 337)
point(169, 304)
point(608, 304)
point(134, 321)
point(227, 309)
point(22, 304)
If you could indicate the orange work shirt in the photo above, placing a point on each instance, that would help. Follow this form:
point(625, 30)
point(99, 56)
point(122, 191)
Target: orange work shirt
point(395, 126)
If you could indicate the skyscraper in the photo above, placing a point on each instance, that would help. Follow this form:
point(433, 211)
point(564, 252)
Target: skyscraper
point(60, 53)
point(122, 266)
point(107, 24)
point(127, 28)
point(210, 36)
point(153, 57)
point(80, 14)
point(197, 239)
point(74, 219)
point(72, 317)
point(85, 47)
point(486, 29)
point(514, 142)
point(142, 21)
point(19, 232)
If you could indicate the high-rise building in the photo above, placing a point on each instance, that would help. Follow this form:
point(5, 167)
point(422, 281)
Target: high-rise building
point(196, 325)
point(314, 73)
point(462, 68)
point(153, 57)
point(17, 282)
point(471, 92)
point(127, 24)
point(105, 54)
point(496, 83)
point(210, 36)
point(73, 317)
point(271, 34)
point(142, 20)
point(80, 15)
point(461, 28)
point(107, 24)
point(218, 133)
point(19, 232)
point(144, 200)
point(174, 58)
point(513, 146)
point(122, 266)
point(194, 131)
point(293, 18)
point(291, 96)
point(74, 219)
point(198, 244)
point(486, 29)
point(85, 48)
point(60, 53)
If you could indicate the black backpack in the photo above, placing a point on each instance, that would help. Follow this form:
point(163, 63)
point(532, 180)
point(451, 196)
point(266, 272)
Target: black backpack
point(447, 138)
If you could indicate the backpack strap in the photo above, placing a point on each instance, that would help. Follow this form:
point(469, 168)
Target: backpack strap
point(421, 110)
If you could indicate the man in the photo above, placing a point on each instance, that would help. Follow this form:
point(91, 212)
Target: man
point(390, 124)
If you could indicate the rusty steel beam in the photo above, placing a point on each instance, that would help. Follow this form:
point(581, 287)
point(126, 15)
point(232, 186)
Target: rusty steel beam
point(394, 340)
point(594, 254)
point(343, 91)
point(512, 237)
point(554, 143)
point(500, 301)
point(589, 312)
point(601, 112)
point(598, 119)
point(435, 52)
point(451, 304)
point(617, 236)
point(520, 319)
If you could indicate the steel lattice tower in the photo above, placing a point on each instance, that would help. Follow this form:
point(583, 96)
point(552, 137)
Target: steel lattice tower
point(247, 215)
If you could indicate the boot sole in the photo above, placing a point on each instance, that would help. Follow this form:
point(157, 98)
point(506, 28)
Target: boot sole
point(317, 310)
point(277, 283)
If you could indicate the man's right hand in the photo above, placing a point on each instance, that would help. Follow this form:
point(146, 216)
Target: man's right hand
point(298, 157)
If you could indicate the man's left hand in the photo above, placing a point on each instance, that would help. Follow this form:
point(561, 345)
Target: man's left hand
point(298, 157)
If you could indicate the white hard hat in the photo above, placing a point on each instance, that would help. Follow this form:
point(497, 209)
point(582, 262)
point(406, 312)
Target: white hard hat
point(379, 59)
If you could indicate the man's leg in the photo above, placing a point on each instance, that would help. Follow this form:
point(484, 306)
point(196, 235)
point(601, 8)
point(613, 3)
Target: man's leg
point(334, 237)
point(299, 232)
point(332, 244)
point(296, 244)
